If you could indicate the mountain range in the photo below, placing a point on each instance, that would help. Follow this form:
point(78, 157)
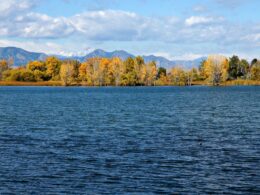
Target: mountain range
point(22, 57)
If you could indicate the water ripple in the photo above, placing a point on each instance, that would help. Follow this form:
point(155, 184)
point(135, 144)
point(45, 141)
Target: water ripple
point(140, 140)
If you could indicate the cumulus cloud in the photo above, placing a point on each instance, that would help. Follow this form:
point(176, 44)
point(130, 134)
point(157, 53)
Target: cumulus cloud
point(104, 25)
point(40, 25)
point(112, 25)
point(35, 25)
point(18, 20)
point(116, 25)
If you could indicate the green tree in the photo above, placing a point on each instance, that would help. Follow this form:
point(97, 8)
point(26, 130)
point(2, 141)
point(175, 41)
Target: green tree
point(253, 62)
point(243, 68)
point(233, 70)
point(161, 72)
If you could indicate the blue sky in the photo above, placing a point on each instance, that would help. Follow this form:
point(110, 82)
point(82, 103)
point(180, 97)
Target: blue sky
point(176, 29)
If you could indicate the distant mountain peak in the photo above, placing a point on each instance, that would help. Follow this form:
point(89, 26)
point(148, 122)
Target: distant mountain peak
point(98, 51)
point(22, 57)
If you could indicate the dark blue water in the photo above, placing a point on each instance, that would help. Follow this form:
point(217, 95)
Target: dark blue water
point(187, 140)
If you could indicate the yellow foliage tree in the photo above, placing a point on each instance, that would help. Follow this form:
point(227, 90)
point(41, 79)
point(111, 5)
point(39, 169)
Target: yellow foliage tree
point(103, 76)
point(151, 72)
point(163, 80)
point(216, 69)
point(36, 65)
point(38, 68)
point(3, 67)
point(67, 73)
point(53, 67)
point(115, 71)
point(178, 76)
point(255, 71)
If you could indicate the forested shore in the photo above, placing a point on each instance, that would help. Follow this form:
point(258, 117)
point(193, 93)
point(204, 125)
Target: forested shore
point(215, 70)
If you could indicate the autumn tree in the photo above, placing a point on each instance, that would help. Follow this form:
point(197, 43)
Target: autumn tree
point(139, 64)
point(216, 69)
point(36, 65)
point(38, 68)
point(192, 75)
point(116, 71)
point(151, 71)
point(103, 74)
point(162, 78)
point(161, 72)
point(19, 74)
point(53, 65)
point(69, 72)
point(129, 76)
point(202, 73)
point(84, 74)
point(177, 76)
point(255, 71)
point(3, 67)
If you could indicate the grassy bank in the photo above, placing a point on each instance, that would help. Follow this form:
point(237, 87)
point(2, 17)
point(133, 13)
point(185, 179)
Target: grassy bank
point(19, 83)
point(59, 83)
point(241, 82)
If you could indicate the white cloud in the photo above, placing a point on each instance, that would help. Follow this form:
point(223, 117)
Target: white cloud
point(194, 20)
point(189, 56)
point(199, 8)
point(17, 20)
point(34, 25)
point(14, 7)
point(185, 56)
point(162, 54)
point(103, 25)
point(67, 48)
point(252, 37)
point(45, 26)
point(115, 25)
point(231, 3)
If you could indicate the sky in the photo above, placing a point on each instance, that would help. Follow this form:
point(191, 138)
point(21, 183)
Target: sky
point(175, 29)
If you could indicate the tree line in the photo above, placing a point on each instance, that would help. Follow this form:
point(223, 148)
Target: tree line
point(215, 70)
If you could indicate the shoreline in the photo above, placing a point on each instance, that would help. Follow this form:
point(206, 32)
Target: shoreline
point(59, 84)
point(21, 83)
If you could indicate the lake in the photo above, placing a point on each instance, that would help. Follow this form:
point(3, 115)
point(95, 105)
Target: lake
point(139, 140)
